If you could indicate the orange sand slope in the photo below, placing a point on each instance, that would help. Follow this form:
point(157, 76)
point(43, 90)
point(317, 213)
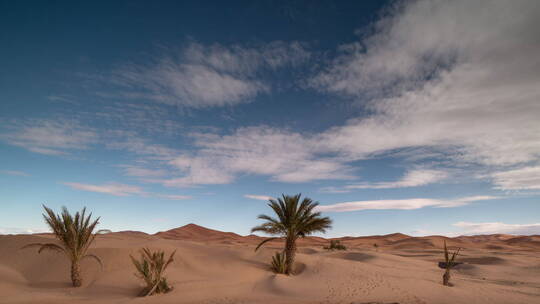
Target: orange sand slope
point(220, 267)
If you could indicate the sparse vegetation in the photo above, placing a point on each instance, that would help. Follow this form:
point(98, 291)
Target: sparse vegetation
point(75, 233)
point(151, 268)
point(449, 263)
point(376, 247)
point(294, 220)
point(278, 263)
point(335, 245)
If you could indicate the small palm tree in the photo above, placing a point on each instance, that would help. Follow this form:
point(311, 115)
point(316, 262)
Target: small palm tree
point(449, 263)
point(75, 233)
point(151, 268)
point(294, 220)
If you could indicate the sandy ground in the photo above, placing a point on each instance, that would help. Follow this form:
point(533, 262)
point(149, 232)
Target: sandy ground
point(217, 267)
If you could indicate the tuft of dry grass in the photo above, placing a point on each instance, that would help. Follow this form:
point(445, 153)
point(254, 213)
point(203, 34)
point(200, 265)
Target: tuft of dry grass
point(150, 268)
point(279, 264)
point(335, 245)
point(450, 262)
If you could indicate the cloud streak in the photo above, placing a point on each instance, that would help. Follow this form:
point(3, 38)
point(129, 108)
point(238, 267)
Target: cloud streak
point(413, 178)
point(118, 189)
point(115, 189)
point(402, 204)
point(498, 227)
point(258, 197)
point(14, 173)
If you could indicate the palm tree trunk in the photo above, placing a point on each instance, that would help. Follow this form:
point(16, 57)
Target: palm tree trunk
point(76, 278)
point(290, 251)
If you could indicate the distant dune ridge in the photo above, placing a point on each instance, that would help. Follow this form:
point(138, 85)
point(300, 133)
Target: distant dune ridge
point(193, 232)
point(212, 266)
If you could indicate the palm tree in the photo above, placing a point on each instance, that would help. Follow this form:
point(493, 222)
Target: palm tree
point(294, 220)
point(75, 234)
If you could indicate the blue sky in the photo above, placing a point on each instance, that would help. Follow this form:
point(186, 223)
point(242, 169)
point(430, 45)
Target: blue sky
point(412, 117)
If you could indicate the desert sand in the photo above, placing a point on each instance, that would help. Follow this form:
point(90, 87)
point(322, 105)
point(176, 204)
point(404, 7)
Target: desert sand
point(219, 267)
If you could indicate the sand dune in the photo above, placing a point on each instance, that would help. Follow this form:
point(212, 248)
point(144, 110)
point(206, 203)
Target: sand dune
point(222, 267)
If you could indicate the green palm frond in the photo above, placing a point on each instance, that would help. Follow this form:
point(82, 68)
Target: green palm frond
point(265, 241)
point(45, 246)
point(294, 218)
point(95, 257)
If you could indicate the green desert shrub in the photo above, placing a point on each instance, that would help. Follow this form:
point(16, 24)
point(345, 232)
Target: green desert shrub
point(449, 263)
point(335, 245)
point(295, 219)
point(75, 233)
point(150, 268)
point(278, 263)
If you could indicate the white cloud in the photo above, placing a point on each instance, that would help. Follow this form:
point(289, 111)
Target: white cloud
point(14, 173)
point(441, 76)
point(258, 197)
point(282, 155)
point(173, 197)
point(205, 76)
point(520, 179)
point(110, 188)
point(497, 227)
point(118, 189)
point(413, 178)
point(454, 76)
point(48, 136)
point(402, 204)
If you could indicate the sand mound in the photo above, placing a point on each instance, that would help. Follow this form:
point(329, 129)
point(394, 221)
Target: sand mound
point(199, 233)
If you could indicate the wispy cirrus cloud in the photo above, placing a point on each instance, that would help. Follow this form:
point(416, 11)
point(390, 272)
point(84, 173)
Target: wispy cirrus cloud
point(440, 76)
point(445, 76)
point(118, 189)
point(260, 151)
point(258, 197)
point(202, 76)
point(14, 173)
point(525, 178)
point(174, 197)
point(412, 178)
point(49, 136)
point(401, 204)
point(497, 227)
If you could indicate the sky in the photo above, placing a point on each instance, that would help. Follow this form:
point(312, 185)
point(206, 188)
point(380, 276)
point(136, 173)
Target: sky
point(414, 117)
